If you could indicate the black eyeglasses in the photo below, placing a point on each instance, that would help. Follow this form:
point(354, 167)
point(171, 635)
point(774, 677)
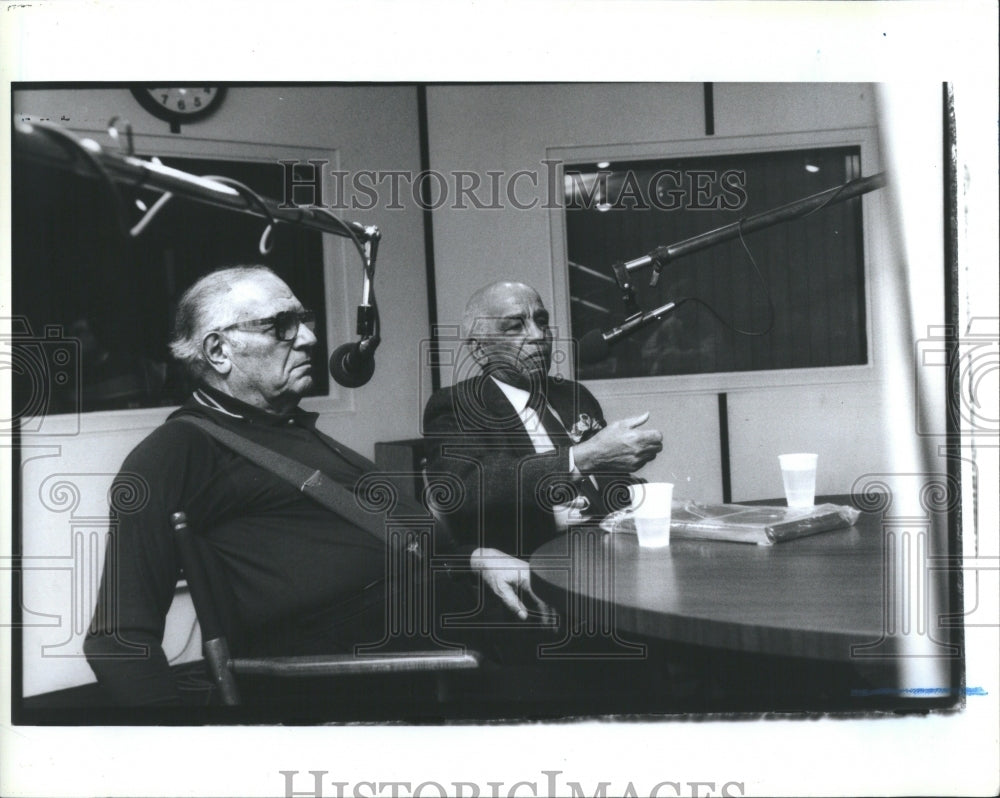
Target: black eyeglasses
point(285, 324)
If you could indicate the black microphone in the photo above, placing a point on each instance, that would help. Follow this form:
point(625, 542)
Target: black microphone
point(352, 365)
point(596, 345)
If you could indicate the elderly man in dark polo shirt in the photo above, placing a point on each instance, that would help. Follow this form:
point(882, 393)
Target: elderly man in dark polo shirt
point(303, 579)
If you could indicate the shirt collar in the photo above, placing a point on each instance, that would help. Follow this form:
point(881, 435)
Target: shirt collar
point(518, 397)
point(215, 399)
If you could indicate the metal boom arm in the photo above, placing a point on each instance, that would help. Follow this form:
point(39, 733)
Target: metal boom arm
point(54, 145)
point(800, 207)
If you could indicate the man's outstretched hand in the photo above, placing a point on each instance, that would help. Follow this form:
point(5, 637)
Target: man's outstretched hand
point(510, 578)
point(620, 446)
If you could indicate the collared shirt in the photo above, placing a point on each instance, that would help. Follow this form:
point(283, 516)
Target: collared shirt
point(518, 397)
point(293, 433)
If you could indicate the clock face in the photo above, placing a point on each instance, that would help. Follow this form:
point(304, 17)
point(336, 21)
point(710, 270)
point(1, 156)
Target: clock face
point(180, 103)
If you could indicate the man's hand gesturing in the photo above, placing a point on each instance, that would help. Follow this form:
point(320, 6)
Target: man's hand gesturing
point(620, 446)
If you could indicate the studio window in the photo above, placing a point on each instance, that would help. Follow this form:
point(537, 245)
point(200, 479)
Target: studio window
point(77, 271)
point(811, 269)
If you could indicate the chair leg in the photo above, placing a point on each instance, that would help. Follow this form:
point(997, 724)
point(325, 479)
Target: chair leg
point(217, 656)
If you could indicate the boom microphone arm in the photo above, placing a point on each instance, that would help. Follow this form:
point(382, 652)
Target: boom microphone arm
point(660, 256)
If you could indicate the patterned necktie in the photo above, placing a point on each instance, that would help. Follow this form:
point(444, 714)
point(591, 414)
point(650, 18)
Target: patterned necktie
point(555, 430)
point(560, 437)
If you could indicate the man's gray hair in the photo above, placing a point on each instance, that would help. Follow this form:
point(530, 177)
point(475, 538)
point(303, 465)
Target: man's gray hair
point(472, 314)
point(476, 309)
point(198, 313)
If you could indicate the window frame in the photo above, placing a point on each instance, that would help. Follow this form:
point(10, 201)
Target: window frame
point(338, 258)
point(874, 247)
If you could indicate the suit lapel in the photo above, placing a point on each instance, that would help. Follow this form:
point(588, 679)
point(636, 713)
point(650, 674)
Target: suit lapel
point(499, 415)
point(562, 397)
point(487, 407)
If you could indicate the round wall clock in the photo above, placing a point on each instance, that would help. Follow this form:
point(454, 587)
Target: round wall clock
point(180, 104)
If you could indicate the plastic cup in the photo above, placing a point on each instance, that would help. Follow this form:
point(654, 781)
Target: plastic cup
point(650, 507)
point(798, 471)
point(572, 513)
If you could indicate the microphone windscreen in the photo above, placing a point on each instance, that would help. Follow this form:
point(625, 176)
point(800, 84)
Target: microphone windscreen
point(351, 368)
point(593, 347)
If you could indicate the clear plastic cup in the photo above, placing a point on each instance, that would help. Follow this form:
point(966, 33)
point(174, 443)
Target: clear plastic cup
point(650, 508)
point(798, 472)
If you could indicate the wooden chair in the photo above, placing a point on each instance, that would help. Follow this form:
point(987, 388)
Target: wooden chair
point(223, 667)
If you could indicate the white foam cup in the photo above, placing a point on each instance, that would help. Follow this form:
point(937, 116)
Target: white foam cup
point(798, 472)
point(650, 508)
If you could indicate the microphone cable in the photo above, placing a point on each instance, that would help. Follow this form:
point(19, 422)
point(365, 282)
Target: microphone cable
point(369, 274)
point(770, 301)
point(763, 282)
point(77, 147)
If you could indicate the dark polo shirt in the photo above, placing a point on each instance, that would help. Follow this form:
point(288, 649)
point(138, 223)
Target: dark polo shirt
point(282, 555)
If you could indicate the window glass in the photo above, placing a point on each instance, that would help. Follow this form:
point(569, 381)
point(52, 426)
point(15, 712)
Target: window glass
point(75, 273)
point(813, 267)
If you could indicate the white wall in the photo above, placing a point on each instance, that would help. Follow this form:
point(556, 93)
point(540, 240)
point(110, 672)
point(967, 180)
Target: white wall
point(362, 128)
point(511, 128)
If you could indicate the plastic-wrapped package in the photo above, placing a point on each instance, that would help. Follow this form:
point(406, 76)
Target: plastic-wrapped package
point(744, 523)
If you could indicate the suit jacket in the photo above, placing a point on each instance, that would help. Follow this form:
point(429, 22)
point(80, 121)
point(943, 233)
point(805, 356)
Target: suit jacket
point(476, 434)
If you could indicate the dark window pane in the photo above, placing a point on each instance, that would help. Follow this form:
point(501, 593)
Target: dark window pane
point(813, 267)
point(73, 268)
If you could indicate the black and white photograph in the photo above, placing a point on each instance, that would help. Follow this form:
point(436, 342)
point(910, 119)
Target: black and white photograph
point(457, 432)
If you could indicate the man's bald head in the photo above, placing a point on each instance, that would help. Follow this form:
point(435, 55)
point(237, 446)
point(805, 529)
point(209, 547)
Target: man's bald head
point(486, 304)
point(507, 327)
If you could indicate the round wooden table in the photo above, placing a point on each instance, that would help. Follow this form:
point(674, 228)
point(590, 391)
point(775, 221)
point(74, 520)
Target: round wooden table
point(820, 597)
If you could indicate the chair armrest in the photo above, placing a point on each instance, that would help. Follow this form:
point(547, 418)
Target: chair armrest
point(337, 664)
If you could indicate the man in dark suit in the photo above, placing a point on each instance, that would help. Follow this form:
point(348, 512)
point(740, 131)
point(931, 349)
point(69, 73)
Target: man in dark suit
point(533, 452)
